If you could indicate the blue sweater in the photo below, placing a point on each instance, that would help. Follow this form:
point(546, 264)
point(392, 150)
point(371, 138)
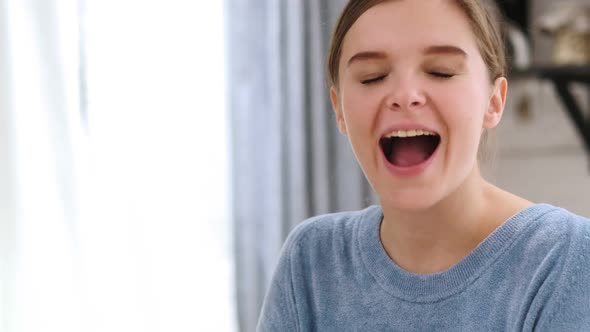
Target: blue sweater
point(530, 274)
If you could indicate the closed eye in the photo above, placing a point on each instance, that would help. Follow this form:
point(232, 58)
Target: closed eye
point(373, 80)
point(441, 74)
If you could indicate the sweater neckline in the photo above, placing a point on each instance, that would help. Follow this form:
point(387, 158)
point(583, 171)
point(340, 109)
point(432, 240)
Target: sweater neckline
point(424, 288)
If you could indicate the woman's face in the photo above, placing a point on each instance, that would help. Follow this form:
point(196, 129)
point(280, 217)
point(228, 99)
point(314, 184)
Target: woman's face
point(413, 68)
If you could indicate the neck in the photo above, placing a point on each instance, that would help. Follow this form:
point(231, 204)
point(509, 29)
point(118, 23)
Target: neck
point(434, 239)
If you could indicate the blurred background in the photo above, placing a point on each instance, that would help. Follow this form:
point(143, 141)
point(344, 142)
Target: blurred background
point(155, 154)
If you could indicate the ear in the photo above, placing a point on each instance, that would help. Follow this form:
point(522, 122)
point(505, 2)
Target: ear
point(337, 110)
point(497, 102)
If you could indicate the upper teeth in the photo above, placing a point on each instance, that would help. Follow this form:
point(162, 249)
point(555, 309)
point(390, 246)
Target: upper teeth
point(410, 133)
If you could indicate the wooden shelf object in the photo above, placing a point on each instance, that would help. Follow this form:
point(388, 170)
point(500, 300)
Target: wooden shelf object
point(562, 77)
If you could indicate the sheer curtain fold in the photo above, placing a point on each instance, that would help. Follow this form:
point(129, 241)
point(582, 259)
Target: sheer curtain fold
point(7, 186)
point(290, 161)
point(38, 108)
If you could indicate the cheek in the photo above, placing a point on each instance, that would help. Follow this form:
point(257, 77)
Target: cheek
point(462, 112)
point(359, 110)
point(463, 107)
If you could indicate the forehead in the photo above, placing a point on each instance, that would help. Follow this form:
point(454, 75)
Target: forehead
point(408, 26)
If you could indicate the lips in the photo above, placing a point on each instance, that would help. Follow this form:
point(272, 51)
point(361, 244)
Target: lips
point(409, 149)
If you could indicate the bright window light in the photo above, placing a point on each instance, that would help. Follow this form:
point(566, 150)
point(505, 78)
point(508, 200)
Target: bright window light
point(158, 130)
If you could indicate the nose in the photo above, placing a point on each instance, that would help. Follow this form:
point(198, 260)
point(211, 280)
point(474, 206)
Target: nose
point(405, 94)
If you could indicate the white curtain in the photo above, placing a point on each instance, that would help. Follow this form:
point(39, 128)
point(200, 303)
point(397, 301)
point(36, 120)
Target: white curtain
point(40, 188)
point(115, 220)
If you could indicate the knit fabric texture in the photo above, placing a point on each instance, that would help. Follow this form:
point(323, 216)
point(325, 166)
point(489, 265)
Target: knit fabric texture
point(531, 274)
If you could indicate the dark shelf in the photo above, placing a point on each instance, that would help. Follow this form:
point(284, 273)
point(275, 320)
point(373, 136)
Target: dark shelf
point(570, 73)
point(517, 12)
point(562, 77)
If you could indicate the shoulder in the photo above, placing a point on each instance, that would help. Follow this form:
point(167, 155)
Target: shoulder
point(312, 247)
point(549, 225)
point(568, 306)
point(555, 238)
point(328, 228)
point(573, 233)
point(570, 232)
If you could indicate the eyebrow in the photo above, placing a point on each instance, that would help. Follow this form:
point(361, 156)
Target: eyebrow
point(445, 49)
point(430, 50)
point(371, 55)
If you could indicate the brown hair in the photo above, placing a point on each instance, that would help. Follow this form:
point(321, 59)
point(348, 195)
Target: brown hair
point(483, 16)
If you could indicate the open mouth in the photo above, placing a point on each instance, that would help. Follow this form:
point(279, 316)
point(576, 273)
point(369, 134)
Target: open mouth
point(409, 148)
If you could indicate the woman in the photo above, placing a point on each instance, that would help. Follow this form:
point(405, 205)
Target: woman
point(415, 85)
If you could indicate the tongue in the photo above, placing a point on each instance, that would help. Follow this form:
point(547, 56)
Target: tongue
point(410, 152)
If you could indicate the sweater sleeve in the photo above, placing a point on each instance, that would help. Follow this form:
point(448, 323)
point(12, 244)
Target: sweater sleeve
point(571, 310)
point(278, 310)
